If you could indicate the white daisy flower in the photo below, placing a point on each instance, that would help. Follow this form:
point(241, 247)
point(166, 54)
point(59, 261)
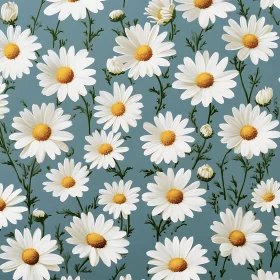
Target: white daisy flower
point(205, 79)
point(276, 228)
point(177, 259)
point(120, 109)
point(119, 198)
point(143, 51)
point(97, 238)
point(238, 236)
point(249, 131)
point(268, 3)
point(267, 195)
point(17, 50)
point(70, 278)
point(3, 102)
point(103, 150)
point(69, 179)
point(127, 277)
point(252, 39)
point(168, 140)
point(30, 256)
point(66, 74)
point(204, 10)
point(265, 275)
point(41, 131)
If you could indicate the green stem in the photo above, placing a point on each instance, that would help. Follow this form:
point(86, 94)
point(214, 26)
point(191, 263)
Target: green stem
point(120, 174)
point(123, 3)
point(161, 95)
point(37, 17)
point(82, 264)
point(80, 204)
point(198, 41)
point(274, 254)
point(43, 229)
point(158, 229)
point(274, 211)
point(209, 114)
point(89, 32)
point(171, 35)
point(242, 187)
point(198, 155)
point(242, 83)
point(121, 218)
point(128, 226)
point(89, 115)
point(55, 33)
point(222, 174)
point(123, 28)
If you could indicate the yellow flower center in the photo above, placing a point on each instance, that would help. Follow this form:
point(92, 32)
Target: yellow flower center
point(64, 75)
point(248, 132)
point(96, 240)
point(68, 182)
point(11, 51)
point(119, 198)
point(203, 4)
point(143, 53)
point(177, 265)
point(175, 196)
point(250, 41)
point(204, 80)
point(237, 238)
point(72, 1)
point(41, 132)
point(167, 137)
point(30, 256)
point(118, 109)
point(105, 149)
point(268, 197)
point(159, 14)
point(2, 204)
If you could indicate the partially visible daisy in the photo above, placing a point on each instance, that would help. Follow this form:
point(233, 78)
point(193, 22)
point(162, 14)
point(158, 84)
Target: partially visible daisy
point(30, 255)
point(66, 74)
point(177, 259)
point(249, 131)
point(41, 131)
point(204, 10)
point(119, 198)
point(120, 109)
point(205, 79)
point(168, 140)
point(268, 3)
point(3, 102)
point(103, 150)
point(265, 275)
point(127, 277)
point(143, 51)
point(69, 179)
point(267, 195)
point(238, 236)
point(97, 238)
point(70, 278)
point(252, 39)
point(17, 50)
point(276, 228)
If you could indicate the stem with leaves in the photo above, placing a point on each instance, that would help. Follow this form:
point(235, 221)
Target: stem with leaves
point(117, 272)
point(36, 25)
point(274, 252)
point(158, 227)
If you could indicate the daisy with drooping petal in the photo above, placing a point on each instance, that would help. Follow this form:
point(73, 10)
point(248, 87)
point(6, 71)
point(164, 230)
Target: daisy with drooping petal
point(143, 51)
point(70, 278)
point(205, 79)
point(268, 3)
point(238, 236)
point(168, 140)
point(276, 228)
point(252, 39)
point(41, 131)
point(69, 179)
point(249, 131)
point(3, 102)
point(30, 256)
point(265, 275)
point(122, 109)
point(97, 238)
point(66, 74)
point(177, 259)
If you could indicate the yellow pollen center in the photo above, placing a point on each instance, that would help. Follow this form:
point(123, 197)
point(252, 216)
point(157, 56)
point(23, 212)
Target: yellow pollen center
point(248, 132)
point(96, 240)
point(72, 1)
point(143, 53)
point(105, 149)
point(2, 204)
point(64, 75)
point(30, 256)
point(250, 41)
point(119, 198)
point(177, 265)
point(175, 196)
point(268, 197)
point(11, 51)
point(68, 182)
point(167, 137)
point(204, 80)
point(41, 132)
point(203, 4)
point(118, 109)
point(237, 238)
point(159, 14)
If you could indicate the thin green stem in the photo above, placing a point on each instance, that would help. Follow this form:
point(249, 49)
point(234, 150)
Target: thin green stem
point(89, 32)
point(121, 175)
point(43, 229)
point(274, 253)
point(209, 114)
point(123, 28)
point(198, 155)
point(274, 211)
point(128, 226)
point(80, 204)
point(171, 35)
point(123, 3)
point(89, 115)
point(242, 187)
point(161, 95)
point(81, 265)
point(121, 219)
point(158, 230)
point(55, 33)
point(222, 174)
point(37, 17)
point(242, 83)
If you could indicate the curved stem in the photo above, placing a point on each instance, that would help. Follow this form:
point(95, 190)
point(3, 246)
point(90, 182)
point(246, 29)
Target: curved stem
point(161, 95)
point(222, 173)
point(80, 204)
point(171, 35)
point(123, 28)
point(158, 230)
point(37, 17)
point(120, 174)
point(242, 187)
point(242, 83)
point(88, 113)
point(81, 265)
point(55, 33)
point(198, 155)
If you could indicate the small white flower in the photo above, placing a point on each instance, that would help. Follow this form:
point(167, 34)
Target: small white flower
point(38, 213)
point(205, 173)
point(9, 12)
point(265, 275)
point(206, 131)
point(264, 96)
point(276, 228)
point(114, 66)
point(117, 15)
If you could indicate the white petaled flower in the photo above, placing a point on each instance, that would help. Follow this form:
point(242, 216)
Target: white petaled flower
point(70, 278)
point(276, 228)
point(120, 109)
point(117, 15)
point(97, 239)
point(268, 3)
point(249, 131)
point(206, 131)
point(264, 96)
point(3, 102)
point(205, 79)
point(66, 74)
point(238, 236)
point(9, 12)
point(266, 195)
point(38, 213)
point(265, 275)
point(173, 196)
point(127, 277)
point(177, 259)
point(204, 10)
point(119, 198)
point(68, 180)
point(41, 132)
point(31, 256)
point(168, 139)
point(114, 66)
point(253, 39)
point(104, 150)
point(17, 50)
point(143, 51)
point(205, 173)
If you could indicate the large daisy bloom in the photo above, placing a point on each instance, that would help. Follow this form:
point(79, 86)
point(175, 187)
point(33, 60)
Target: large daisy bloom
point(103, 150)
point(276, 228)
point(143, 50)
point(205, 79)
point(268, 3)
point(120, 109)
point(76, 8)
point(3, 102)
point(249, 131)
point(204, 10)
point(68, 180)
point(66, 74)
point(119, 198)
point(70, 278)
point(265, 275)
point(17, 50)
point(30, 255)
point(177, 259)
point(173, 196)
point(238, 236)
point(267, 195)
point(97, 238)
point(168, 138)
point(252, 39)
point(41, 131)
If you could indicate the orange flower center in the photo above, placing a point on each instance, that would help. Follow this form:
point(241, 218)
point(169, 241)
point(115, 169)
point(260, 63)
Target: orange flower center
point(203, 4)
point(96, 240)
point(143, 53)
point(119, 198)
point(237, 238)
point(41, 132)
point(68, 182)
point(2, 204)
point(268, 197)
point(167, 137)
point(11, 51)
point(204, 80)
point(105, 149)
point(175, 196)
point(250, 41)
point(177, 265)
point(248, 132)
point(64, 75)
point(118, 109)
point(30, 256)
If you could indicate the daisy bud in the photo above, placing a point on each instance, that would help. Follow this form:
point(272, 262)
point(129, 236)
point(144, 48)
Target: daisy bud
point(264, 96)
point(205, 173)
point(206, 131)
point(9, 12)
point(117, 15)
point(114, 66)
point(127, 277)
point(38, 213)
